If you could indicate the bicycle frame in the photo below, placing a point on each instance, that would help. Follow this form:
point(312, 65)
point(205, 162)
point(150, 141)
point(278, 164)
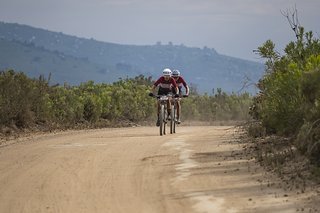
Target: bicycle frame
point(163, 114)
point(174, 114)
point(174, 109)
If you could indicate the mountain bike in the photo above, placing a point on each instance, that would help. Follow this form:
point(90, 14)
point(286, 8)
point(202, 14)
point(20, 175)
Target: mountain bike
point(163, 114)
point(174, 108)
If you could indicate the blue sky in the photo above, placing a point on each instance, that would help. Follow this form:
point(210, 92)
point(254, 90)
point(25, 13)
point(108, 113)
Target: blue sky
point(232, 27)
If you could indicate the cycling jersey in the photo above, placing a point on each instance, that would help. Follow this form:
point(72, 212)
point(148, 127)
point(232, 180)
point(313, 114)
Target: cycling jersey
point(165, 86)
point(181, 82)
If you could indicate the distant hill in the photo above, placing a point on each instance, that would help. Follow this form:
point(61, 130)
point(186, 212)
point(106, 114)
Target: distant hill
point(37, 61)
point(72, 59)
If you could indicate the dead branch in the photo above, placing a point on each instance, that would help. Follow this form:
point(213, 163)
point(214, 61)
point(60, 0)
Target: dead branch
point(293, 19)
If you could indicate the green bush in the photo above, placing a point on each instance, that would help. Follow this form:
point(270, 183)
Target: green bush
point(25, 102)
point(288, 103)
point(17, 99)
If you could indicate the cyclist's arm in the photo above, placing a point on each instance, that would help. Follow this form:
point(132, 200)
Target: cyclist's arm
point(187, 89)
point(177, 90)
point(175, 85)
point(154, 86)
point(185, 86)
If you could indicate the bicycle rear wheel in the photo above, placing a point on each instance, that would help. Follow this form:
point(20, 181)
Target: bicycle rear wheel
point(174, 118)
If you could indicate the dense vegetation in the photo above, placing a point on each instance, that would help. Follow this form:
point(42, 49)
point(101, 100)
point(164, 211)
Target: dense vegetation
point(27, 102)
point(289, 102)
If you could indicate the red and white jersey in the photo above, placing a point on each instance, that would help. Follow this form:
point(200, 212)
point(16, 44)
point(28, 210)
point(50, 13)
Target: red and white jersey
point(166, 84)
point(181, 82)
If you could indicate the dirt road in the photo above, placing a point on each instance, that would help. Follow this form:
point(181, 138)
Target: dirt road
point(133, 170)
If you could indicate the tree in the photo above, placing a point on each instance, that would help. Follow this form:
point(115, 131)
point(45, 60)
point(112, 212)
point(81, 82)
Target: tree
point(289, 90)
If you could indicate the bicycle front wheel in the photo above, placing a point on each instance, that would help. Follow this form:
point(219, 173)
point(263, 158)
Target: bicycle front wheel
point(172, 122)
point(161, 118)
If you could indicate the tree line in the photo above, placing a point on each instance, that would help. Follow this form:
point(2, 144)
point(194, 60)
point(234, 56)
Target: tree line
point(27, 102)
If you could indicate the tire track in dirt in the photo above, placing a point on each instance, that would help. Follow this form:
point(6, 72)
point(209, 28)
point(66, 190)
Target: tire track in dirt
point(202, 202)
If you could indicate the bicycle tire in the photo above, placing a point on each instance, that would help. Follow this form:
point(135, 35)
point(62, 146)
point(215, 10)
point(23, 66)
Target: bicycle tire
point(172, 119)
point(165, 117)
point(161, 118)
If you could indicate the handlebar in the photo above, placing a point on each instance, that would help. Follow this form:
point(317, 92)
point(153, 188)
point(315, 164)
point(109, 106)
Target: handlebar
point(180, 96)
point(169, 95)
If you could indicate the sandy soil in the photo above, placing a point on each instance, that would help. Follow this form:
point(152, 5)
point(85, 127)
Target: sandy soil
point(199, 169)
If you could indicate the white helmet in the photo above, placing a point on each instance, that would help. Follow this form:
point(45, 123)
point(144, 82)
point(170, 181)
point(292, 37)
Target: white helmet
point(166, 72)
point(175, 73)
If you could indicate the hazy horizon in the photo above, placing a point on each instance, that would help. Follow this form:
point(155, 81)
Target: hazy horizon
point(231, 27)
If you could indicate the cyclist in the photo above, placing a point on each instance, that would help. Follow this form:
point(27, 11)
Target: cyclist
point(180, 82)
point(166, 85)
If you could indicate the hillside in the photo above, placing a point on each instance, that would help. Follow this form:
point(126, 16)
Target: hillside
point(96, 60)
point(37, 61)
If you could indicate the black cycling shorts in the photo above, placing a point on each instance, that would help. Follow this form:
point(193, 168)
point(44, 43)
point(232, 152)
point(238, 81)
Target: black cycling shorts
point(164, 91)
point(174, 91)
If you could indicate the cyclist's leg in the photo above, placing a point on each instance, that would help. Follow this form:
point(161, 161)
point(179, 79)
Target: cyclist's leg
point(169, 105)
point(178, 111)
point(166, 92)
point(179, 106)
point(170, 101)
point(158, 108)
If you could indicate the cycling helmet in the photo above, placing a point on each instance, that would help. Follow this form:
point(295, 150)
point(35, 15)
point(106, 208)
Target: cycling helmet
point(166, 72)
point(175, 73)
